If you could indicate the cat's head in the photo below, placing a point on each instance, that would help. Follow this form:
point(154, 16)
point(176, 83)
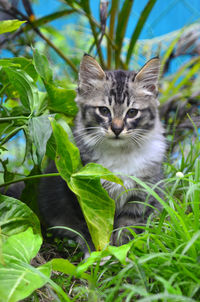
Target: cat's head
point(118, 106)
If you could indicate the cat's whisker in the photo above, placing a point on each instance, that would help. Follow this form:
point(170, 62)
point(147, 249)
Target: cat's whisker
point(91, 140)
point(140, 138)
point(85, 133)
point(85, 129)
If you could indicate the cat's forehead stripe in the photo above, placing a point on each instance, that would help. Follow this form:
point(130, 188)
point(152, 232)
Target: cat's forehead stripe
point(119, 91)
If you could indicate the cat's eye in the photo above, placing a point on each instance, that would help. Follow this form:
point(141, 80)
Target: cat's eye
point(132, 113)
point(104, 111)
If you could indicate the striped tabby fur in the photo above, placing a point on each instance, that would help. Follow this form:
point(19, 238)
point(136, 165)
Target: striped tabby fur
point(117, 126)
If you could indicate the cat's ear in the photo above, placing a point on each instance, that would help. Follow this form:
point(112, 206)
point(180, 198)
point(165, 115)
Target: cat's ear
point(148, 75)
point(90, 73)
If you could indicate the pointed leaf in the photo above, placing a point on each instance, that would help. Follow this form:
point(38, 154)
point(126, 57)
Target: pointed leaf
point(120, 252)
point(93, 170)
point(25, 86)
point(10, 25)
point(42, 66)
point(68, 159)
point(64, 266)
point(40, 131)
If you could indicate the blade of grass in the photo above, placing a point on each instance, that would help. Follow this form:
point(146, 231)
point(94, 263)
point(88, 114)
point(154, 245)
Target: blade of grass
point(123, 18)
point(170, 50)
point(141, 22)
point(172, 88)
point(175, 217)
point(85, 5)
point(197, 196)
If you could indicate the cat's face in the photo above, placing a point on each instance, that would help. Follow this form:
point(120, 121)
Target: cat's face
point(116, 107)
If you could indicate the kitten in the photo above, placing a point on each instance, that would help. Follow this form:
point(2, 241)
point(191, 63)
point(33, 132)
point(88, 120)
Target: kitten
point(117, 126)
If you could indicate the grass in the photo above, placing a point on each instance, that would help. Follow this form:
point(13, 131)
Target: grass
point(163, 263)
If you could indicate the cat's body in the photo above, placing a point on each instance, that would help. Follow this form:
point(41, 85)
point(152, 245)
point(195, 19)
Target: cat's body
point(117, 126)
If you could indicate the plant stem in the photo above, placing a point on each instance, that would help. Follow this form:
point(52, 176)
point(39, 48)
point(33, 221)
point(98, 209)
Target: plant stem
point(85, 6)
point(11, 118)
point(10, 135)
point(29, 178)
point(59, 52)
point(48, 18)
point(114, 7)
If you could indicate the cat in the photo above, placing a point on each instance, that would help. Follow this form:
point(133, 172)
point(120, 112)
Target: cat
point(117, 126)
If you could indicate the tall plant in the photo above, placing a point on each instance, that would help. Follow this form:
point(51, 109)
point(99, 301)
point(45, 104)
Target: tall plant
point(114, 18)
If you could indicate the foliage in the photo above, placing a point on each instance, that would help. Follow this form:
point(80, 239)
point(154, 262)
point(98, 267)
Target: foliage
point(10, 25)
point(160, 264)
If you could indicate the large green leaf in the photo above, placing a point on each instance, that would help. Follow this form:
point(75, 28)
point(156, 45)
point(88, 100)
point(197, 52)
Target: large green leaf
point(25, 86)
point(10, 25)
point(16, 217)
point(18, 279)
point(40, 131)
point(98, 208)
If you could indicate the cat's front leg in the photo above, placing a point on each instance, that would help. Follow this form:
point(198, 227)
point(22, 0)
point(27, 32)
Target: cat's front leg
point(130, 220)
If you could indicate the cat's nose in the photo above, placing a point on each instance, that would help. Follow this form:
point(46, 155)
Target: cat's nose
point(117, 126)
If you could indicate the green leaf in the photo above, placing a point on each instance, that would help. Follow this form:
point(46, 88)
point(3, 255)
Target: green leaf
point(64, 266)
point(16, 217)
point(21, 63)
point(40, 131)
point(10, 25)
point(61, 100)
point(98, 208)
point(26, 65)
point(8, 63)
point(41, 103)
point(93, 170)
point(25, 86)
point(120, 252)
point(17, 278)
point(68, 159)
point(42, 66)
point(93, 259)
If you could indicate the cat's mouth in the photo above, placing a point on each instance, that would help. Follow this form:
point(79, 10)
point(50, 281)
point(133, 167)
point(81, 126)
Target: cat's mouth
point(116, 138)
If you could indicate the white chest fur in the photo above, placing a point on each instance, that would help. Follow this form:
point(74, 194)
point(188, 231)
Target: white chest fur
point(136, 161)
point(132, 161)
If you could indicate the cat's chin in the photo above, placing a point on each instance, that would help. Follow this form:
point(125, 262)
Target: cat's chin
point(116, 141)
